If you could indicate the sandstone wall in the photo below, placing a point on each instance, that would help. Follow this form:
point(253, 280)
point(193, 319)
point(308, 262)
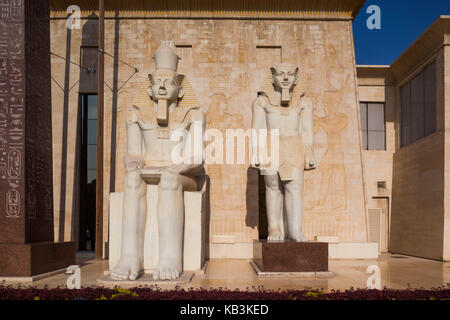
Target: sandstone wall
point(418, 183)
point(446, 99)
point(417, 198)
point(378, 163)
point(226, 62)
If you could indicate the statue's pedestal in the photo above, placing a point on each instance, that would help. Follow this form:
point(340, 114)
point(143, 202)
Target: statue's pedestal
point(145, 280)
point(31, 261)
point(194, 242)
point(293, 257)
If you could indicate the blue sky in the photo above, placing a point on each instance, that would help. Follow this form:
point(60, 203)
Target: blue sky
point(402, 22)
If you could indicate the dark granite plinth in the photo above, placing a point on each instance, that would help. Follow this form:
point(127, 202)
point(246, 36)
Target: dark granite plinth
point(294, 257)
point(29, 259)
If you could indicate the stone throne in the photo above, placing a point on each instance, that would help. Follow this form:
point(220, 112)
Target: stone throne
point(194, 187)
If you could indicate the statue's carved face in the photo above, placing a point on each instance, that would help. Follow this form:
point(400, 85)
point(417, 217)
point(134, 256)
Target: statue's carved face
point(284, 76)
point(164, 85)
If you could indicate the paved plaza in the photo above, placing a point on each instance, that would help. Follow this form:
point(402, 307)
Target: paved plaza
point(397, 272)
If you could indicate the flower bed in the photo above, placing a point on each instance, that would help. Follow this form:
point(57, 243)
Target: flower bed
point(155, 293)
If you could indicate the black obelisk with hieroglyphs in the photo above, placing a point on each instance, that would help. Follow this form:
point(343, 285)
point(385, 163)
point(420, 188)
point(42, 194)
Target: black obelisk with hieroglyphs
point(26, 193)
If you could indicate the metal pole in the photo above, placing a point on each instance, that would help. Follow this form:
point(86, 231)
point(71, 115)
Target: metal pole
point(100, 106)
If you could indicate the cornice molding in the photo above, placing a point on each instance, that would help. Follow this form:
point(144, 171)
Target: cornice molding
point(372, 75)
point(215, 9)
point(421, 50)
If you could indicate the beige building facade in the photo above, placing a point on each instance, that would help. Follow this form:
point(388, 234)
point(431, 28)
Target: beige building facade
point(373, 90)
point(407, 182)
point(395, 196)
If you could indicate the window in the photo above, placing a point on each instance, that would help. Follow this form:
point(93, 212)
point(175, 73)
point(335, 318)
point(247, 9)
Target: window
point(373, 126)
point(89, 135)
point(88, 109)
point(418, 106)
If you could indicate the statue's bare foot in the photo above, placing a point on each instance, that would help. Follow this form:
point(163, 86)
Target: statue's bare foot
point(127, 269)
point(167, 271)
point(299, 238)
point(275, 235)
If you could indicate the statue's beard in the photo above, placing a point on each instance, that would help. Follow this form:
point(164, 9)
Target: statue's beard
point(163, 112)
point(285, 96)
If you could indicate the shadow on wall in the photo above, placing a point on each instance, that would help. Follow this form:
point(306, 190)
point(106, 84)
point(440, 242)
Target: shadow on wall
point(389, 116)
point(204, 180)
point(255, 203)
point(63, 173)
point(115, 89)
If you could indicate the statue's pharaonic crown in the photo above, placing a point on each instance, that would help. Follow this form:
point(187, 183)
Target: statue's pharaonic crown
point(165, 57)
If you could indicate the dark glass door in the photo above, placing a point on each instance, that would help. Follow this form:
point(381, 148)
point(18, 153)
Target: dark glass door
point(88, 105)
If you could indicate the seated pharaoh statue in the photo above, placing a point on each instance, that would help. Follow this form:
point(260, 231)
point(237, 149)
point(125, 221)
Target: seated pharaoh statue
point(281, 105)
point(164, 147)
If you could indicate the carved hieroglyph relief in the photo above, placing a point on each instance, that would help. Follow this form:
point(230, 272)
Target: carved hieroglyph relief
point(219, 118)
point(228, 182)
point(329, 185)
point(12, 111)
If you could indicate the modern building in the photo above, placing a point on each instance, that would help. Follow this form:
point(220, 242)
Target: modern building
point(380, 131)
point(407, 181)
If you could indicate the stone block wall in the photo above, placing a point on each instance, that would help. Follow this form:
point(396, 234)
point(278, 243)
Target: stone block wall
point(378, 163)
point(226, 62)
point(446, 99)
point(418, 202)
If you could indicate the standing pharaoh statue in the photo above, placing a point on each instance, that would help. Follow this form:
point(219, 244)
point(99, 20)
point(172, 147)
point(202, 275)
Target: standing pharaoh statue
point(283, 107)
point(164, 147)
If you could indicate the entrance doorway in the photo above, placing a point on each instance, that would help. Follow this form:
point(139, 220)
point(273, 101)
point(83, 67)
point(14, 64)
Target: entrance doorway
point(88, 161)
point(379, 223)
